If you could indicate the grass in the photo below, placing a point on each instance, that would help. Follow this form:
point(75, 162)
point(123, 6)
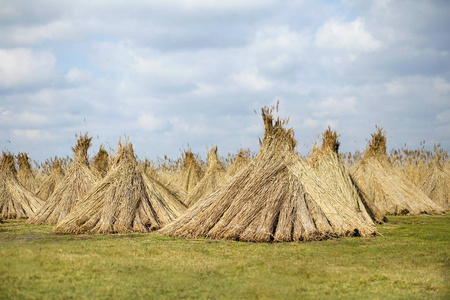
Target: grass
point(409, 261)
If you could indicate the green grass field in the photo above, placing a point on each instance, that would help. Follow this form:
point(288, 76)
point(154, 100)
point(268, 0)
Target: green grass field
point(411, 260)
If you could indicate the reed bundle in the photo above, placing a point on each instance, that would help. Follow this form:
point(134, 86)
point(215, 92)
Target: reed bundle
point(191, 172)
point(100, 165)
point(76, 184)
point(162, 178)
point(277, 197)
point(385, 187)
point(330, 168)
point(126, 200)
point(215, 177)
point(49, 184)
point(436, 183)
point(25, 173)
point(16, 202)
point(241, 160)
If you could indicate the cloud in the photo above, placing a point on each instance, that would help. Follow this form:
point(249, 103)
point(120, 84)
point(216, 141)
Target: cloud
point(75, 75)
point(32, 135)
point(148, 122)
point(176, 72)
point(348, 36)
point(22, 66)
point(444, 117)
point(250, 79)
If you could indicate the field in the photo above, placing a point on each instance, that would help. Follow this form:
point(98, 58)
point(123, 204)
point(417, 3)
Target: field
point(410, 260)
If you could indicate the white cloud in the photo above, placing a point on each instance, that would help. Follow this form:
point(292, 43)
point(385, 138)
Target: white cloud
point(443, 117)
point(32, 135)
point(348, 36)
point(441, 85)
point(75, 75)
point(193, 71)
point(252, 80)
point(311, 123)
point(25, 66)
point(148, 122)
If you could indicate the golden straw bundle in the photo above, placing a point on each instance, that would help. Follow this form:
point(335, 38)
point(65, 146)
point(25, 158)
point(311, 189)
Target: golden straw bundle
point(386, 188)
point(214, 178)
point(332, 170)
point(126, 200)
point(277, 197)
point(25, 174)
point(49, 184)
point(76, 184)
point(16, 202)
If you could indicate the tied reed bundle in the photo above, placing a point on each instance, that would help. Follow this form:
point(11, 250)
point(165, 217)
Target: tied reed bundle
point(331, 169)
point(436, 183)
point(16, 202)
point(214, 178)
point(25, 173)
point(76, 184)
point(100, 165)
point(191, 172)
point(385, 187)
point(241, 160)
point(126, 200)
point(49, 184)
point(277, 197)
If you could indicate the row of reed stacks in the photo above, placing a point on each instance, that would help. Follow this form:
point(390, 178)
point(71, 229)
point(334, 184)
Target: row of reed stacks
point(274, 195)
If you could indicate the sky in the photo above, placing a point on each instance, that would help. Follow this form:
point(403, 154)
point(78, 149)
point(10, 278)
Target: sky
point(171, 75)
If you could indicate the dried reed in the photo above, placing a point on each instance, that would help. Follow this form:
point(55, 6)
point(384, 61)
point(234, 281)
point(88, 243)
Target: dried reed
point(436, 183)
point(76, 184)
point(385, 187)
point(277, 197)
point(215, 177)
point(126, 200)
point(239, 162)
point(16, 202)
point(25, 173)
point(332, 170)
point(100, 165)
point(49, 184)
point(191, 172)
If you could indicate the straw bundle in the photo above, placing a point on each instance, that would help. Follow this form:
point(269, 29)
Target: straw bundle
point(126, 200)
point(100, 165)
point(16, 202)
point(25, 174)
point(436, 184)
point(163, 179)
point(331, 169)
point(48, 186)
point(76, 184)
point(385, 187)
point(191, 172)
point(277, 197)
point(214, 178)
point(241, 160)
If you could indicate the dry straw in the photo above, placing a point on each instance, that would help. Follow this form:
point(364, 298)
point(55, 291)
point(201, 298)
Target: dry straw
point(76, 184)
point(191, 172)
point(215, 177)
point(49, 184)
point(277, 197)
point(100, 165)
point(241, 160)
point(436, 183)
point(385, 187)
point(331, 169)
point(25, 173)
point(126, 200)
point(16, 202)
point(162, 178)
